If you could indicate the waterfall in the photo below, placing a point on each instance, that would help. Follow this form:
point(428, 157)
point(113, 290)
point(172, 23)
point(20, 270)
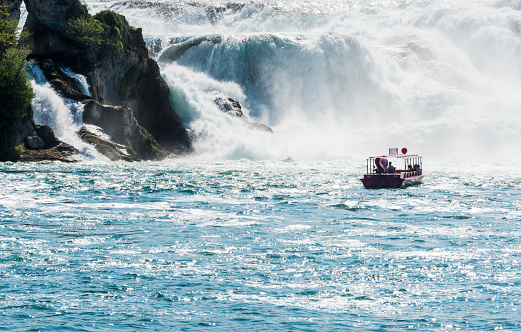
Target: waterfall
point(340, 78)
point(64, 116)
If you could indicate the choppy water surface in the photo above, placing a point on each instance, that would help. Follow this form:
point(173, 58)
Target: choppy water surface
point(243, 245)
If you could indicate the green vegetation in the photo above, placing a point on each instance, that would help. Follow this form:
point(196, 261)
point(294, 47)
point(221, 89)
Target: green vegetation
point(105, 29)
point(15, 91)
point(86, 31)
point(7, 30)
point(18, 150)
point(116, 24)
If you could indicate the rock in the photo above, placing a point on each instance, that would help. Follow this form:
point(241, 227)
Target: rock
point(229, 106)
point(34, 141)
point(103, 143)
point(46, 21)
point(13, 9)
point(62, 152)
point(119, 73)
point(42, 145)
point(234, 108)
point(26, 126)
point(121, 125)
point(65, 85)
point(47, 135)
point(260, 127)
point(135, 81)
point(53, 14)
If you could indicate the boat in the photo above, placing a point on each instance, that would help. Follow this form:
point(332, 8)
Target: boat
point(381, 173)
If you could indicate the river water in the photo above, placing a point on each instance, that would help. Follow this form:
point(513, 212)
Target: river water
point(242, 245)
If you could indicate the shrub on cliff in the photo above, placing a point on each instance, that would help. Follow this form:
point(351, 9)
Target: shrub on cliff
point(7, 29)
point(116, 25)
point(15, 91)
point(104, 31)
point(86, 32)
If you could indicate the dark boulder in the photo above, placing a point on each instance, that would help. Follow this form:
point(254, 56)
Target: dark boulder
point(62, 152)
point(47, 135)
point(121, 125)
point(103, 143)
point(229, 106)
point(65, 85)
point(33, 141)
point(234, 108)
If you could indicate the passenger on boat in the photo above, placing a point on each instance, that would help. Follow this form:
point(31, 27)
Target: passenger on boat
point(391, 169)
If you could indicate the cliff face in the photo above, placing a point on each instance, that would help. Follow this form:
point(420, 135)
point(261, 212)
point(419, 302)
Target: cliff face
point(14, 9)
point(120, 73)
point(20, 138)
point(132, 79)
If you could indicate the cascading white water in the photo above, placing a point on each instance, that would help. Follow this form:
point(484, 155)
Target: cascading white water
point(63, 115)
point(339, 78)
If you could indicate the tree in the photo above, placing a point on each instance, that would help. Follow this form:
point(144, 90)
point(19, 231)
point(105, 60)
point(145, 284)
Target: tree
point(15, 90)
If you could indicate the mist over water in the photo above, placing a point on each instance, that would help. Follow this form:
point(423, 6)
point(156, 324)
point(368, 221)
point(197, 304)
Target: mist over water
point(342, 78)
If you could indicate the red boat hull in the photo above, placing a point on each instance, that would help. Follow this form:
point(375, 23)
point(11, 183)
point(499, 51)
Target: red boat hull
point(377, 181)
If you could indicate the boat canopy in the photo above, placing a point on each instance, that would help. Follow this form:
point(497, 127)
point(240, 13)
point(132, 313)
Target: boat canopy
point(380, 164)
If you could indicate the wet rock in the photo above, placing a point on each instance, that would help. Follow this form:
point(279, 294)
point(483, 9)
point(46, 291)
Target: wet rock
point(47, 135)
point(121, 125)
point(229, 106)
point(119, 73)
point(103, 143)
point(234, 108)
point(62, 152)
point(34, 141)
point(65, 85)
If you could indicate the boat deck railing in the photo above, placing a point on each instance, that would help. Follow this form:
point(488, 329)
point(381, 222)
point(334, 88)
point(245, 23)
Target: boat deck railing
point(410, 174)
point(406, 174)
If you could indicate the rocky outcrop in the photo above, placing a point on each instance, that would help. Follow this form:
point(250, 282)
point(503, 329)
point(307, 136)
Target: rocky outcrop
point(134, 80)
point(230, 106)
point(66, 86)
point(126, 84)
point(46, 20)
point(40, 144)
point(53, 14)
point(13, 9)
point(62, 152)
point(47, 135)
point(103, 143)
point(234, 108)
point(122, 127)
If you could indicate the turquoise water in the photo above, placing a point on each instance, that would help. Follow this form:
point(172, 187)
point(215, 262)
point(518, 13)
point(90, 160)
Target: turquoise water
point(242, 245)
